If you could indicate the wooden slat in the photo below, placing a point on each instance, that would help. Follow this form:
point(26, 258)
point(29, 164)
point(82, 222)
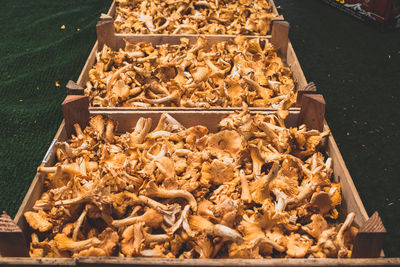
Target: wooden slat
point(351, 200)
point(75, 110)
point(12, 241)
point(370, 238)
point(312, 112)
point(114, 261)
point(34, 192)
point(188, 118)
point(280, 37)
point(48, 262)
point(294, 65)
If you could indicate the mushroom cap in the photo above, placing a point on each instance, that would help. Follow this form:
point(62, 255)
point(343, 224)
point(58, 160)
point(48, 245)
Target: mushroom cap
point(298, 245)
point(221, 172)
point(317, 226)
point(322, 201)
point(225, 142)
point(38, 220)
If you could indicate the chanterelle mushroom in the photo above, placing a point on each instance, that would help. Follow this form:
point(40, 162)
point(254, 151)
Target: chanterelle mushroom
point(252, 189)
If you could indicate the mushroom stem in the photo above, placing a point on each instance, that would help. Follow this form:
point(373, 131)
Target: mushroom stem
point(201, 224)
point(202, 3)
point(328, 163)
point(153, 191)
point(183, 221)
point(72, 201)
point(142, 128)
point(152, 203)
point(149, 238)
point(339, 237)
point(138, 237)
point(267, 241)
point(158, 88)
point(184, 26)
point(65, 243)
point(260, 90)
point(172, 97)
point(116, 75)
point(162, 27)
point(281, 202)
point(150, 217)
point(246, 196)
point(272, 174)
point(72, 169)
point(79, 223)
point(43, 169)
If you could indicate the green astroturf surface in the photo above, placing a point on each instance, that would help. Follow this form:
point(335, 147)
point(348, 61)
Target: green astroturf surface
point(356, 67)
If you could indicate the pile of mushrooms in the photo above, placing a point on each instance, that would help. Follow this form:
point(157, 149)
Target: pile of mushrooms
point(247, 17)
point(225, 74)
point(254, 189)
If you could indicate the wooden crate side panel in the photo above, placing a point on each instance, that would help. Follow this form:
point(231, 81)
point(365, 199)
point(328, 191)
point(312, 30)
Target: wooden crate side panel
point(127, 120)
point(170, 109)
point(84, 76)
point(106, 35)
point(351, 199)
point(157, 39)
point(294, 64)
point(33, 194)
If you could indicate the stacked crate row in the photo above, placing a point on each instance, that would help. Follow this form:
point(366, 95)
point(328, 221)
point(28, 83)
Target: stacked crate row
point(302, 107)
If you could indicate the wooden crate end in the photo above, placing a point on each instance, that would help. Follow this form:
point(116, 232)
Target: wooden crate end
point(105, 30)
point(312, 112)
point(280, 37)
point(75, 110)
point(12, 241)
point(370, 238)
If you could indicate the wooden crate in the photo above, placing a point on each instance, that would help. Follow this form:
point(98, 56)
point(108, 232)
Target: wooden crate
point(112, 10)
point(106, 35)
point(368, 243)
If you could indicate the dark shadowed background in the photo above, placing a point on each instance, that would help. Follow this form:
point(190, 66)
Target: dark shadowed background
point(356, 68)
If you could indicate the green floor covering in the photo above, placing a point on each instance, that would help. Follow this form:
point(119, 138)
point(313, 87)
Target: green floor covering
point(356, 67)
